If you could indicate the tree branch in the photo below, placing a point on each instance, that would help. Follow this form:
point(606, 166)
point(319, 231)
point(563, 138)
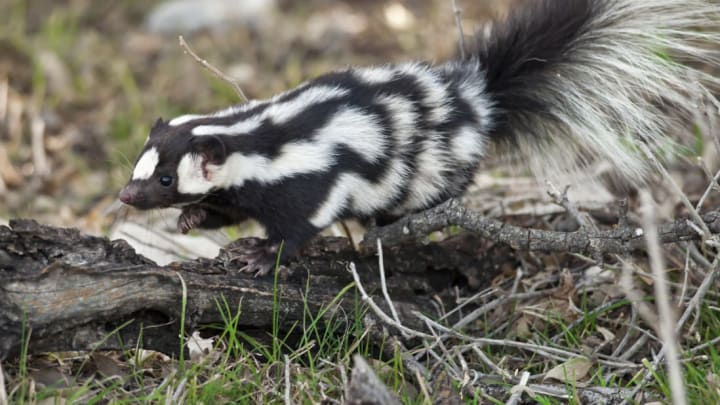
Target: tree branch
point(584, 241)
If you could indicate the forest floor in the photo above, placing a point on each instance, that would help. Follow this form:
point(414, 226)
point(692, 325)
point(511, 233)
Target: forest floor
point(82, 81)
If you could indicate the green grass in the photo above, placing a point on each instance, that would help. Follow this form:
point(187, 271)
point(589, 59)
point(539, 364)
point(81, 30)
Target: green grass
point(245, 369)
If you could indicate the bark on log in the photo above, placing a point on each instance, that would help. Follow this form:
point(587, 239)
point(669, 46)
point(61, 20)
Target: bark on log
point(77, 292)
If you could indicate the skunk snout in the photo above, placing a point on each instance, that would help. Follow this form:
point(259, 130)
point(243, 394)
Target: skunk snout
point(130, 195)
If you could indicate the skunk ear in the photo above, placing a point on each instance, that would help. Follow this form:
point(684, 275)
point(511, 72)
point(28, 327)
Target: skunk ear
point(211, 148)
point(157, 126)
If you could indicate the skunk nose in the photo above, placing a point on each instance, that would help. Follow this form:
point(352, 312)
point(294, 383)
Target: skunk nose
point(128, 195)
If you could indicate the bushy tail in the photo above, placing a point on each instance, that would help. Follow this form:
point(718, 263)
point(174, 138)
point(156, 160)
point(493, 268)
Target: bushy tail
point(577, 80)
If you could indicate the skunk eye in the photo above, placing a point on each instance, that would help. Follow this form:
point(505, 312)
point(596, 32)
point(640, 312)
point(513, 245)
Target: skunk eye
point(166, 181)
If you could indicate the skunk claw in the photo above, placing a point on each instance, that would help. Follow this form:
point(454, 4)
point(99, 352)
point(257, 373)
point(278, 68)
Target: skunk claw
point(259, 262)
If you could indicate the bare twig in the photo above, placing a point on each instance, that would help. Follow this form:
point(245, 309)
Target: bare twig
point(622, 213)
point(552, 352)
point(712, 186)
point(691, 208)
point(348, 234)
point(217, 72)
point(703, 346)
point(479, 312)
point(461, 35)
point(585, 395)
point(365, 387)
point(623, 342)
point(14, 125)
point(4, 91)
point(383, 283)
point(379, 312)
point(561, 199)
point(585, 242)
point(3, 392)
point(557, 353)
point(286, 360)
point(666, 324)
point(8, 174)
point(423, 388)
point(700, 293)
point(518, 389)
point(40, 162)
point(494, 367)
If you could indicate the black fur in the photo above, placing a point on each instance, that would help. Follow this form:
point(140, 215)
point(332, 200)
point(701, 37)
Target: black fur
point(522, 51)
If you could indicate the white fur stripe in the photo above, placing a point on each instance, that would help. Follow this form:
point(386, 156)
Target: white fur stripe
point(294, 158)
point(349, 127)
point(359, 131)
point(436, 95)
point(238, 128)
point(281, 113)
point(184, 119)
point(278, 113)
point(375, 75)
point(360, 195)
point(433, 164)
point(145, 166)
point(190, 176)
point(468, 145)
point(404, 119)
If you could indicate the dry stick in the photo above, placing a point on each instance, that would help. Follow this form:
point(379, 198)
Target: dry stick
point(561, 354)
point(14, 120)
point(703, 346)
point(452, 212)
point(458, 22)
point(583, 318)
point(713, 184)
point(286, 360)
point(494, 367)
point(562, 200)
point(424, 388)
point(518, 389)
point(465, 301)
point(383, 283)
point(691, 208)
point(3, 189)
point(348, 234)
point(4, 92)
point(700, 293)
point(666, 327)
point(478, 312)
point(217, 72)
point(448, 359)
point(3, 392)
point(379, 312)
point(626, 337)
point(40, 162)
point(686, 273)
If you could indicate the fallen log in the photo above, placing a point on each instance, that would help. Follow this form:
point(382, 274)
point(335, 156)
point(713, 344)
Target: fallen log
point(68, 291)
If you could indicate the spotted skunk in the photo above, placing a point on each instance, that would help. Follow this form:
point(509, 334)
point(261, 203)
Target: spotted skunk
point(563, 82)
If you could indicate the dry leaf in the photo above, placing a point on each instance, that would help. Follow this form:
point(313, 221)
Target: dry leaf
point(106, 366)
point(607, 334)
point(571, 371)
point(522, 327)
point(199, 347)
point(50, 377)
